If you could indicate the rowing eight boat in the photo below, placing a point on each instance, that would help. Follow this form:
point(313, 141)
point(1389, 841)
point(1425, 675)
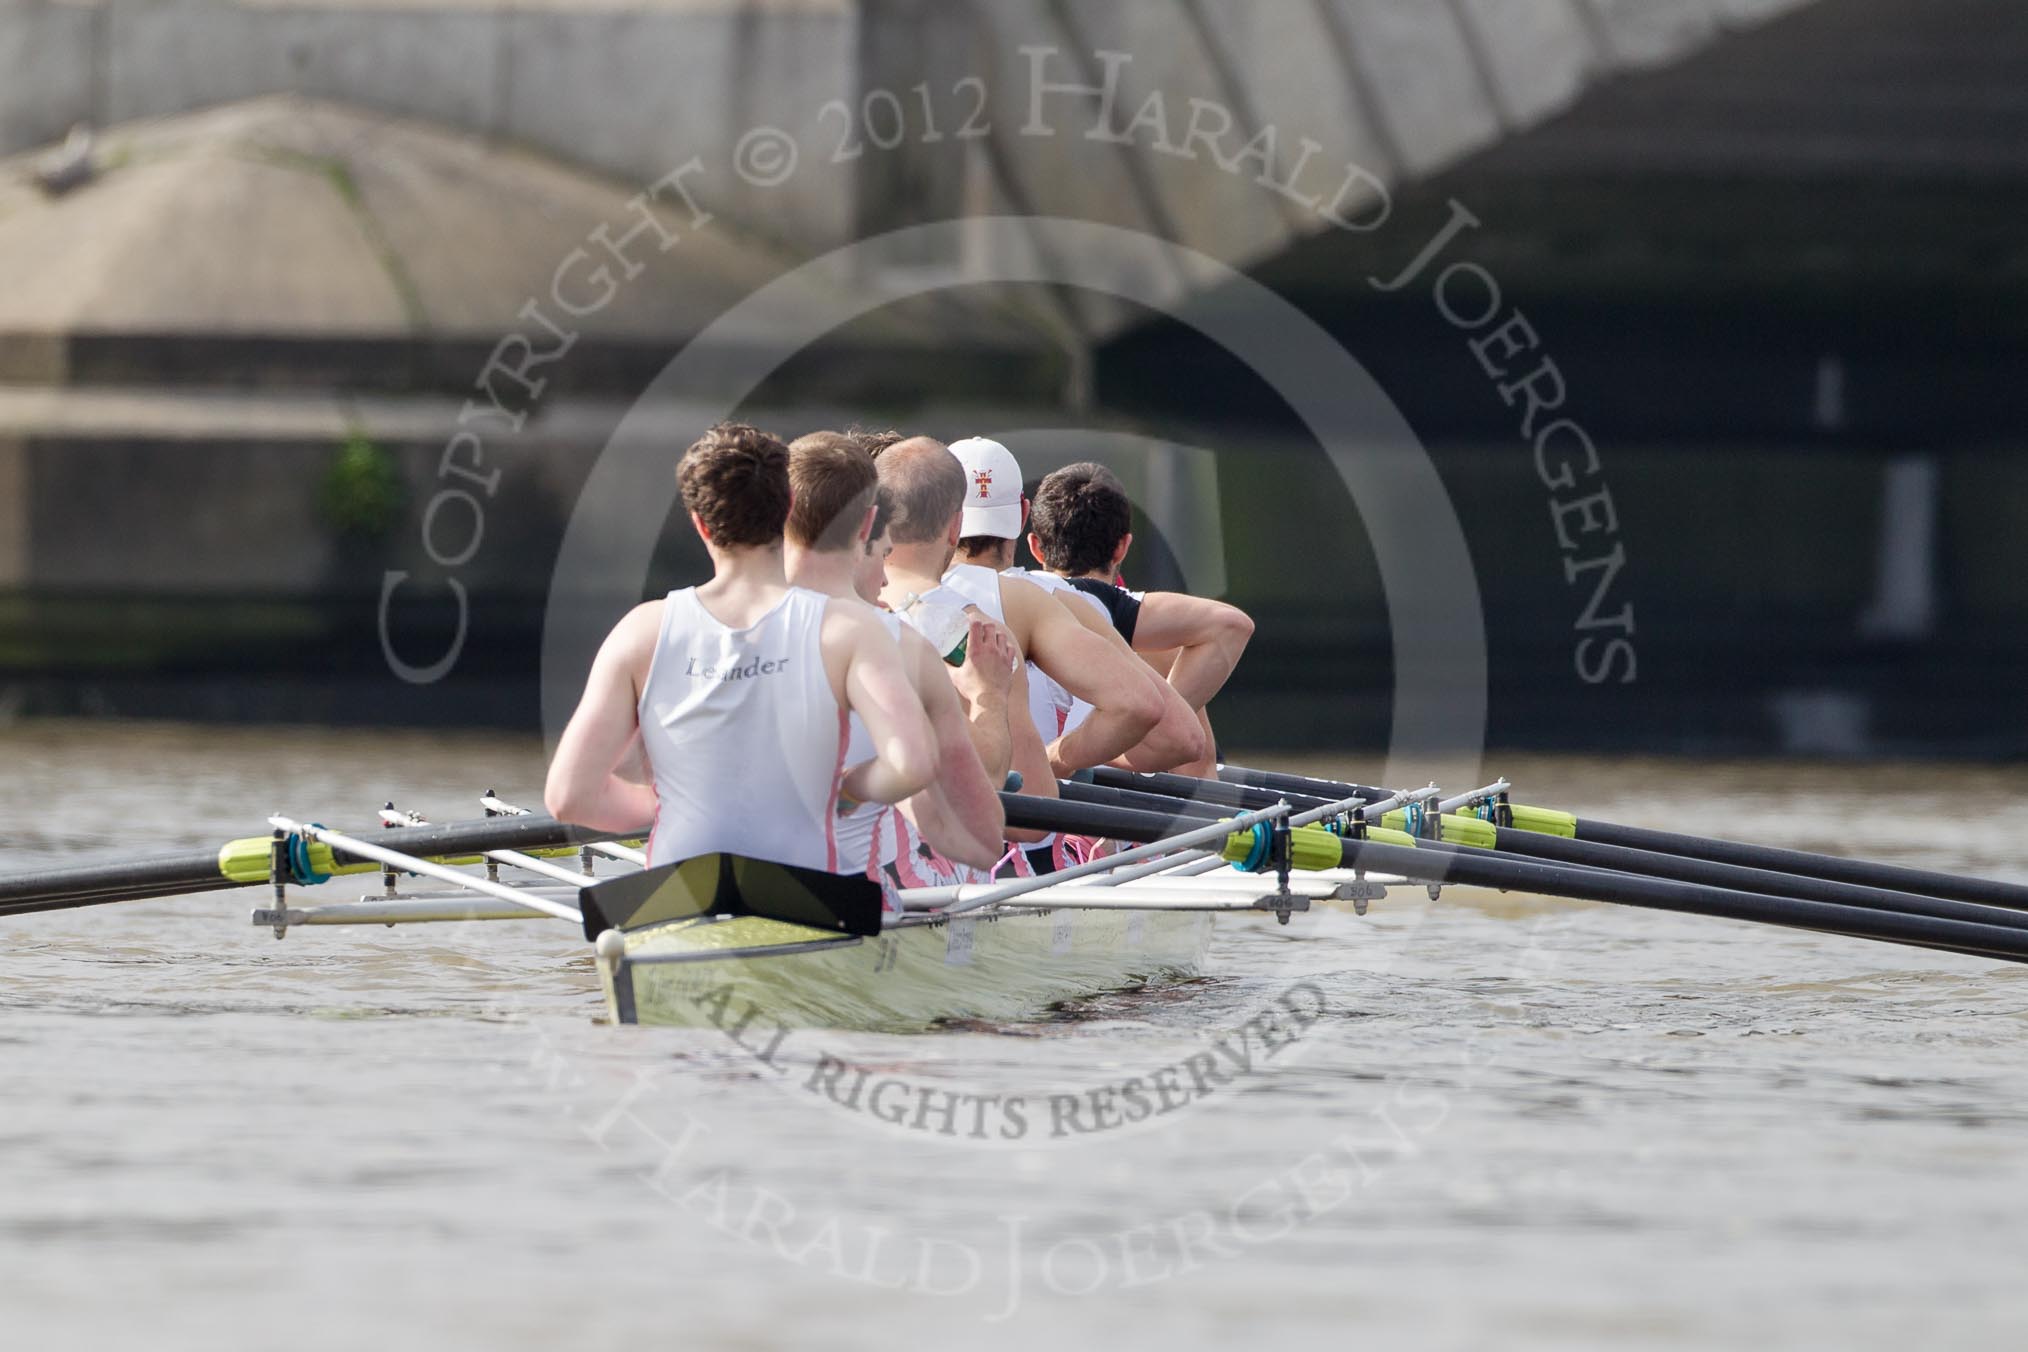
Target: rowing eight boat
point(727, 943)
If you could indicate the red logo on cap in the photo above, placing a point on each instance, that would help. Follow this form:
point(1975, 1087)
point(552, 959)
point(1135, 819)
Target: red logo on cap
point(984, 479)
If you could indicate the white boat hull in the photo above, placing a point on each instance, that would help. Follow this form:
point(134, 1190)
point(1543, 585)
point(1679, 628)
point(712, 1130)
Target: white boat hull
point(1003, 965)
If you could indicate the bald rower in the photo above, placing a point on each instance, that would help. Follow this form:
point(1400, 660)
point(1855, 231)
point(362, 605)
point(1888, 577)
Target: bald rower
point(927, 488)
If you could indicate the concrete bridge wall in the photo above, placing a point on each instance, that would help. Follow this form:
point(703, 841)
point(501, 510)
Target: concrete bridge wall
point(1398, 88)
point(633, 89)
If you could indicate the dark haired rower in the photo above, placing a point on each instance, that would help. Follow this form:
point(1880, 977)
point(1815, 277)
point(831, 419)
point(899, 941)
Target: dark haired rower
point(1080, 528)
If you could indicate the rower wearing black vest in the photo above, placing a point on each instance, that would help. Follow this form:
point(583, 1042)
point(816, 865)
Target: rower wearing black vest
point(1122, 607)
point(1080, 527)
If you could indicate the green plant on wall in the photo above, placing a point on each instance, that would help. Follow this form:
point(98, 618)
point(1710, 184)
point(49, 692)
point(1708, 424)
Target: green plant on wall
point(362, 495)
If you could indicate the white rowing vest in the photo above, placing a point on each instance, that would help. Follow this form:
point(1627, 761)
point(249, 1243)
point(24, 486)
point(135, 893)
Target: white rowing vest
point(745, 738)
point(1066, 709)
point(971, 584)
point(976, 585)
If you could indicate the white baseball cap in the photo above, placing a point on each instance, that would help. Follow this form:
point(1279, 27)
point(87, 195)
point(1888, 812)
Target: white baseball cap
point(992, 489)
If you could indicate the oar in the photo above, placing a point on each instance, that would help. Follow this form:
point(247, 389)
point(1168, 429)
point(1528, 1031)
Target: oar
point(1830, 868)
point(1287, 783)
point(245, 863)
point(1180, 837)
point(1450, 864)
point(1471, 831)
point(1215, 791)
point(1030, 812)
point(497, 806)
point(1436, 862)
point(355, 847)
point(1182, 806)
point(1156, 832)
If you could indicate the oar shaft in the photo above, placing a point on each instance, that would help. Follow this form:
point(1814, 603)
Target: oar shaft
point(1656, 864)
point(415, 864)
point(1031, 813)
point(66, 901)
point(1766, 882)
point(202, 871)
point(1649, 863)
point(84, 885)
point(1452, 864)
point(1071, 791)
point(1278, 782)
point(1198, 833)
point(1213, 791)
point(1829, 868)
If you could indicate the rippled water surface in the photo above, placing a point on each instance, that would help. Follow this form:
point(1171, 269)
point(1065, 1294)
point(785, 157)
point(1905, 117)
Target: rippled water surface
point(1493, 1122)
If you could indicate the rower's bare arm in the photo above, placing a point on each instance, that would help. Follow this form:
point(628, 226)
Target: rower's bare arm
point(1210, 635)
point(1125, 704)
point(633, 766)
point(1028, 756)
point(1206, 764)
point(959, 814)
point(983, 682)
point(585, 785)
point(1173, 742)
point(874, 683)
point(1163, 661)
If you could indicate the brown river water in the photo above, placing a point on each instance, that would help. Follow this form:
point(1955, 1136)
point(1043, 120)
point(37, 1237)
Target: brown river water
point(1483, 1123)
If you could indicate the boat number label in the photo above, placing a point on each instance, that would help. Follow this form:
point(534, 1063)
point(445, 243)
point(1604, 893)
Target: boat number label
point(958, 946)
point(1061, 931)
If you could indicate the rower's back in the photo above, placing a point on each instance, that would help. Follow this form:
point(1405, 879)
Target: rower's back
point(744, 733)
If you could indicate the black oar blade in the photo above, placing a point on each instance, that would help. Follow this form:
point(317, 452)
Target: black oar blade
point(727, 884)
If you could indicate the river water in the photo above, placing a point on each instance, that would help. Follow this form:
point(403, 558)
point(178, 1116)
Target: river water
point(1484, 1122)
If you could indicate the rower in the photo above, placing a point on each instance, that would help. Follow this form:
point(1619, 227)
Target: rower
point(739, 692)
point(1022, 747)
point(835, 543)
point(993, 517)
point(873, 441)
point(1080, 529)
point(929, 493)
